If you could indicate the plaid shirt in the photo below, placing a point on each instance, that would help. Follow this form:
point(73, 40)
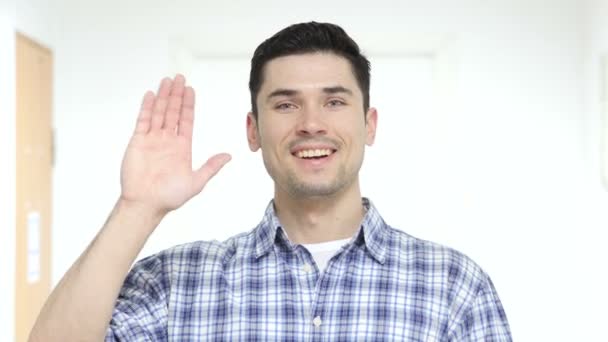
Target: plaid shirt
point(258, 286)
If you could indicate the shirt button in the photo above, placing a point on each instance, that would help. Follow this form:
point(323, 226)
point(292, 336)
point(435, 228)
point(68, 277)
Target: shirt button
point(307, 268)
point(317, 321)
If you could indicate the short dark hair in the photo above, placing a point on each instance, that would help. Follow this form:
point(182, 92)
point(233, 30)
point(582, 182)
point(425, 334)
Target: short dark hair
point(309, 38)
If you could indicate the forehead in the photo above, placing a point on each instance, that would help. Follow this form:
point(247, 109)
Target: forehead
point(307, 71)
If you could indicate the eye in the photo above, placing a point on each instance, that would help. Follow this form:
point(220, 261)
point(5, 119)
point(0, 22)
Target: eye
point(285, 106)
point(335, 103)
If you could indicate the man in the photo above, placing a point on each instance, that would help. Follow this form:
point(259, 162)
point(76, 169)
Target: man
point(321, 266)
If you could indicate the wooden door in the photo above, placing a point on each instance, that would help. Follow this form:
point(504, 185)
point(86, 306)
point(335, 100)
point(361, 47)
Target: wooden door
point(33, 181)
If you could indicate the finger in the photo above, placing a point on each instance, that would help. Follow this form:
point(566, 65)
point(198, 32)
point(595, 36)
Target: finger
point(160, 104)
point(208, 170)
point(145, 114)
point(174, 105)
point(186, 118)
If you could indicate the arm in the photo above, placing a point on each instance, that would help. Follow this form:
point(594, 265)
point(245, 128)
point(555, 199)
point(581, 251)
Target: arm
point(485, 319)
point(156, 178)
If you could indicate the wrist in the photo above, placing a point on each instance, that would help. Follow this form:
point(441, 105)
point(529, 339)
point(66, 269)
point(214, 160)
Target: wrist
point(143, 213)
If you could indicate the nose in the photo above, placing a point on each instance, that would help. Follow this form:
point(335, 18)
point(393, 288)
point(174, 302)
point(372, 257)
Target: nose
point(311, 122)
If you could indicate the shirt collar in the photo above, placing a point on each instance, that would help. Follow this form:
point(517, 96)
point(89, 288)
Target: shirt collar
point(373, 233)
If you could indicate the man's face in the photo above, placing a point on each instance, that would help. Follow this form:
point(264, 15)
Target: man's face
point(311, 126)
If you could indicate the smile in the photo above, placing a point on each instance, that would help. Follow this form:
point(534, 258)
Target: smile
point(314, 153)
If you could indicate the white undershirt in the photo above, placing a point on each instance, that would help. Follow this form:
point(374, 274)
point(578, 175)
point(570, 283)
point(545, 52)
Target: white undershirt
point(322, 252)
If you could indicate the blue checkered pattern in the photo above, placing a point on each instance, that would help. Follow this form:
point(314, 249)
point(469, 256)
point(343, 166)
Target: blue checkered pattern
point(384, 285)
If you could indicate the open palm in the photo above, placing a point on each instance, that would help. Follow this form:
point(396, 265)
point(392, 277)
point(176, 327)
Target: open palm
point(157, 166)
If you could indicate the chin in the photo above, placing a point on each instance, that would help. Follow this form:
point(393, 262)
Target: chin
point(302, 189)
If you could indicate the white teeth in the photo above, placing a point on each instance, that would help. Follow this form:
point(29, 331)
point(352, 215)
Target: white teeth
point(313, 153)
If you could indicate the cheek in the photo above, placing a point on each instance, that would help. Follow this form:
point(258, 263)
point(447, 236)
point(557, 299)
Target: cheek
point(271, 147)
point(357, 134)
point(273, 133)
point(267, 140)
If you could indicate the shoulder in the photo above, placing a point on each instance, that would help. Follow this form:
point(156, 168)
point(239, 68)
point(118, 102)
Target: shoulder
point(453, 268)
point(198, 255)
point(437, 270)
point(463, 290)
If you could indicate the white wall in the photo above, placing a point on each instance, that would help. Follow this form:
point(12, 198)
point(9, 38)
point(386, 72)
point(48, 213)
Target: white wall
point(593, 236)
point(7, 176)
point(30, 18)
point(34, 18)
point(514, 181)
point(596, 90)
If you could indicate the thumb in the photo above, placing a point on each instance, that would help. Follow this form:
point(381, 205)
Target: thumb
point(208, 170)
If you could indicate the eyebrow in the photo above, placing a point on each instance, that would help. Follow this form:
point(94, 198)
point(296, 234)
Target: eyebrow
point(291, 92)
point(282, 92)
point(337, 90)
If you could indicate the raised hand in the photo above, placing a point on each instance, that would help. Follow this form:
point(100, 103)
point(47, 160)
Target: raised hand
point(157, 167)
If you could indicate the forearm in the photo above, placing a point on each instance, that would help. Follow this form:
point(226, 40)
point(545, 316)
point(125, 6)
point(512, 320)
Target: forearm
point(80, 307)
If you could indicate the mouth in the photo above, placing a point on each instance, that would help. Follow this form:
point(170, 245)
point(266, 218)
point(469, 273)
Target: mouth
point(314, 153)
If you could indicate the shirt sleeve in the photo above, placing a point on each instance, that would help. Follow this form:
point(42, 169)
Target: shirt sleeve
point(141, 310)
point(485, 320)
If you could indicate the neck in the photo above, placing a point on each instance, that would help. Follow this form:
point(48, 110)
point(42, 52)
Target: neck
point(320, 219)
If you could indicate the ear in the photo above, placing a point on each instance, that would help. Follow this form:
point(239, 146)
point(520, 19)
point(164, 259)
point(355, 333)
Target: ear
point(253, 137)
point(371, 120)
